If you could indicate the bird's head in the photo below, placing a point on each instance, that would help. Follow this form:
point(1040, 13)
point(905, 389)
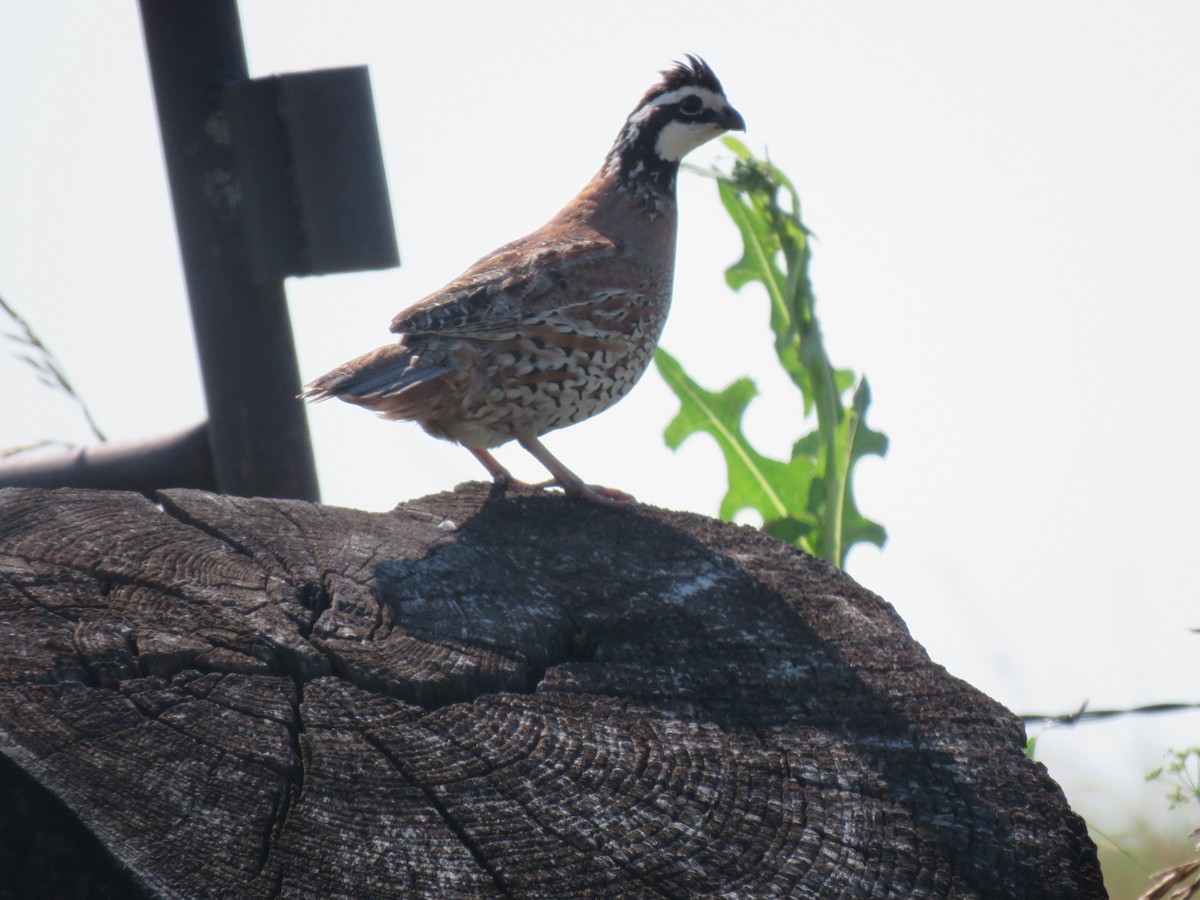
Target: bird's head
point(685, 109)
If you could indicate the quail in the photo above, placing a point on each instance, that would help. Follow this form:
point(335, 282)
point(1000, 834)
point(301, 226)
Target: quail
point(559, 325)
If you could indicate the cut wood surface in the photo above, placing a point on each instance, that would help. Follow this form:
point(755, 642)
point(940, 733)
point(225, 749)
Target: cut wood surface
point(472, 696)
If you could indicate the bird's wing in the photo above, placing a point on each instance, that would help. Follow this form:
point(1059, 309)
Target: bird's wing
point(519, 283)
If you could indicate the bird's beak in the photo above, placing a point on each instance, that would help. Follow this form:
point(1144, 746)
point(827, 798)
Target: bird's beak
point(731, 120)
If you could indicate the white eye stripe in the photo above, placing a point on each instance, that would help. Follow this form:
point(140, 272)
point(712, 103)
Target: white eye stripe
point(707, 97)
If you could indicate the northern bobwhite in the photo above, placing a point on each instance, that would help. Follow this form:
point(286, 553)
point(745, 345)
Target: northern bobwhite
point(560, 324)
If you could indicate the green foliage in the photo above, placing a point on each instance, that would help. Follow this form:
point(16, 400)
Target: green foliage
point(809, 498)
point(1181, 774)
point(778, 490)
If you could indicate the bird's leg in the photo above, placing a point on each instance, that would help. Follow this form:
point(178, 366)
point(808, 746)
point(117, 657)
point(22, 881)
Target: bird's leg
point(572, 483)
point(501, 477)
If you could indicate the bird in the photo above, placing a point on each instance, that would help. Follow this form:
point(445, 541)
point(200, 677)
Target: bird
point(559, 325)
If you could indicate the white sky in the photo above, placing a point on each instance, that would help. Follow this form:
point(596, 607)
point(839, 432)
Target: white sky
point(1005, 197)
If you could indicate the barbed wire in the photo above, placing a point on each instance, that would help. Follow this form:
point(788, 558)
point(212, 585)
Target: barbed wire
point(1083, 714)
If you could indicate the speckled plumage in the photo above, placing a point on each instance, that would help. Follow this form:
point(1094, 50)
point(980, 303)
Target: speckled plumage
point(556, 326)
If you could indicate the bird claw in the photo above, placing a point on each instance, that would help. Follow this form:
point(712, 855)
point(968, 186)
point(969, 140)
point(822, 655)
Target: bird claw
point(593, 493)
point(604, 496)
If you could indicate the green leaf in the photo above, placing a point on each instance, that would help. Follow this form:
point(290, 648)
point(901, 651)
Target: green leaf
point(867, 442)
point(794, 531)
point(855, 439)
point(761, 254)
point(776, 489)
point(809, 499)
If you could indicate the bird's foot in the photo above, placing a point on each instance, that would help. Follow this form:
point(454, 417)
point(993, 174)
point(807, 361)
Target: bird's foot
point(571, 483)
point(605, 496)
point(564, 478)
point(499, 486)
point(502, 483)
point(593, 493)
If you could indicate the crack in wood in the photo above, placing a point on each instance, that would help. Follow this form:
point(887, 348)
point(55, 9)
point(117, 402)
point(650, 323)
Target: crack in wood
point(481, 858)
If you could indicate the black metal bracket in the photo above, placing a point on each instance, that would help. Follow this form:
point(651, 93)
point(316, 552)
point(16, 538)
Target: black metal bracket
point(307, 158)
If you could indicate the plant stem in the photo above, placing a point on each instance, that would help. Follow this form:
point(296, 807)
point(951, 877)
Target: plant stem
point(812, 354)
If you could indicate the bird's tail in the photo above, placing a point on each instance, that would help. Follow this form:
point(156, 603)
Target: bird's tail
point(377, 375)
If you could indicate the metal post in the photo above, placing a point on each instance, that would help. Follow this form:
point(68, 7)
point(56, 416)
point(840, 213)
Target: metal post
point(257, 428)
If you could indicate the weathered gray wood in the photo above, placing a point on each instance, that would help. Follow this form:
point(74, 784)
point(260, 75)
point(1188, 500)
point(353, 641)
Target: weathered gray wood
point(481, 697)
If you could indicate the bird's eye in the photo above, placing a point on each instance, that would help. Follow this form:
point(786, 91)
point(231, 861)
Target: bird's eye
point(691, 106)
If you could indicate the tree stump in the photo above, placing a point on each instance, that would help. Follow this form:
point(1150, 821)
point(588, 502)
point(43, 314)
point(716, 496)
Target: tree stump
point(473, 696)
